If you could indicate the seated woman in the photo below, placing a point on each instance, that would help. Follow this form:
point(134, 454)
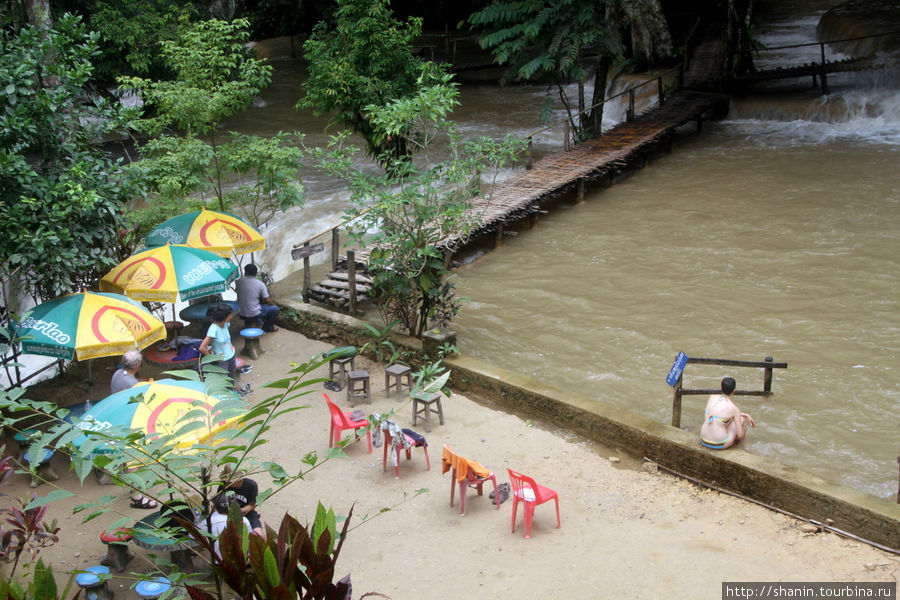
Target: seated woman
point(725, 424)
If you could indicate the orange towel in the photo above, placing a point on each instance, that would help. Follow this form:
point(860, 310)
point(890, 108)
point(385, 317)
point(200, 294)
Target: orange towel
point(451, 460)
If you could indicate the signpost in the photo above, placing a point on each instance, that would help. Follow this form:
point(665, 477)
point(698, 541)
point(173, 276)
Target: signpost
point(677, 368)
point(306, 251)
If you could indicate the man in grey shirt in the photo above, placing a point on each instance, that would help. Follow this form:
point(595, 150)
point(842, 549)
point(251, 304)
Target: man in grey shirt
point(126, 376)
point(254, 301)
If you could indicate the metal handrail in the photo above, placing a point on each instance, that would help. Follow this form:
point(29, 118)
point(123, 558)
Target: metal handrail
point(850, 39)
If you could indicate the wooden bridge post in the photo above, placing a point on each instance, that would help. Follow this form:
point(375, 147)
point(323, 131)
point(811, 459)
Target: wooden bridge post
point(566, 146)
point(767, 378)
point(676, 404)
point(580, 190)
point(629, 116)
point(335, 248)
point(660, 91)
point(823, 76)
point(498, 237)
point(351, 279)
point(307, 277)
point(530, 164)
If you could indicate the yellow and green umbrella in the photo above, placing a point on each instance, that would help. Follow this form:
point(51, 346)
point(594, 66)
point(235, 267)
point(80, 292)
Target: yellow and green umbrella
point(170, 407)
point(219, 232)
point(87, 325)
point(165, 272)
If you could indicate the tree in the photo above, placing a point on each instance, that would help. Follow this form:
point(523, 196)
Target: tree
point(364, 57)
point(406, 214)
point(565, 40)
point(59, 193)
point(132, 33)
point(215, 77)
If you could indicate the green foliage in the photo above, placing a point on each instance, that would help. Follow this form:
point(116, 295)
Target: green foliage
point(156, 467)
point(364, 58)
point(58, 192)
point(296, 561)
point(132, 33)
point(216, 77)
point(386, 352)
point(417, 204)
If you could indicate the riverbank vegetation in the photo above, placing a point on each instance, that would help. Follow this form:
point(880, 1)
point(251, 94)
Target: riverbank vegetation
point(72, 211)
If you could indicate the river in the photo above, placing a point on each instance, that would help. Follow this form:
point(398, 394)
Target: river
point(773, 233)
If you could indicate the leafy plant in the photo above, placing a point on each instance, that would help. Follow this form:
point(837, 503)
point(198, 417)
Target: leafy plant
point(296, 561)
point(216, 77)
point(363, 57)
point(407, 213)
point(386, 352)
point(60, 194)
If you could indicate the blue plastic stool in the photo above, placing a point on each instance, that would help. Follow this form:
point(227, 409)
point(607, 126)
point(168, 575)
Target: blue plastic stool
point(251, 337)
point(151, 589)
point(94, 587)
point(42, 471)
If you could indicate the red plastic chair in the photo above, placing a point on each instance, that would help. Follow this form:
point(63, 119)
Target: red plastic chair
point(340, 421)
point(466, 473)
point(525, 490)
point(389, 443)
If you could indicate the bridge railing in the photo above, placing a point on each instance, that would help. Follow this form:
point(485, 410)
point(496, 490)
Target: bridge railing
point(766, 365)
point(569, 139)
point(823, 59)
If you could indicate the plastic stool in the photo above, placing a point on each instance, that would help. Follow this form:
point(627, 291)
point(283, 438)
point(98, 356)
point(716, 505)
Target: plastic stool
point(43, 471)
point(251, 337)
point(117, 553)
point(151, 589)
point(358, 386)
point(24, 440)
point(422, 406)
point(94, 587)
point(397, 372)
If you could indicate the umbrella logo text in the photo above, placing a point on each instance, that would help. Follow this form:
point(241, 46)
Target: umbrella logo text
point(167, 233)
point(48, 328)
point(197, 274)
point(89, 424)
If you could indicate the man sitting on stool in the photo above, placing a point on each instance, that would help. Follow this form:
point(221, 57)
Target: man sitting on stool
point(255, 303)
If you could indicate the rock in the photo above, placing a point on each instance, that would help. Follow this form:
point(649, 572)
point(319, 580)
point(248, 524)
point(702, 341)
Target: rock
point(650, 467)
point(614, 459)
point(870, 566)
point(809, 528)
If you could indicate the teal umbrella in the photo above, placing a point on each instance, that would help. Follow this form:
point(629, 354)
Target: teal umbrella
point(166, 272)
point(87, 325)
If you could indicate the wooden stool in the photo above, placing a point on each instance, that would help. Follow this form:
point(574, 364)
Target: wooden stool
point(422, 406)
point(251, 337)
point(358, 386)
point(94, 586)
point(117, 554)
point(338, 366)
point(43, 471)
point(151, 589)
point(397, 372)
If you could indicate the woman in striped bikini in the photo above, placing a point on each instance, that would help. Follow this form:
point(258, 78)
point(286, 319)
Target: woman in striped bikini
point(725, 424)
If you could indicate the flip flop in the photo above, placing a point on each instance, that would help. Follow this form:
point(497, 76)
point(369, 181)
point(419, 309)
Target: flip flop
point(143, 502)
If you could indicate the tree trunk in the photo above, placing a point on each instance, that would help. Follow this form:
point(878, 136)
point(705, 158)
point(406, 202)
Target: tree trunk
point(601, 72)
point(38, 12)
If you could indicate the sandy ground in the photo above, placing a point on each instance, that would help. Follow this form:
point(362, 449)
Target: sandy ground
point(625, 530)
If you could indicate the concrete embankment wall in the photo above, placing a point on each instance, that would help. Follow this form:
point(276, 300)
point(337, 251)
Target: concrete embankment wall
point(767, 481)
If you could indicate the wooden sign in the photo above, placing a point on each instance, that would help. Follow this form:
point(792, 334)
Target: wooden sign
point(306, 251)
